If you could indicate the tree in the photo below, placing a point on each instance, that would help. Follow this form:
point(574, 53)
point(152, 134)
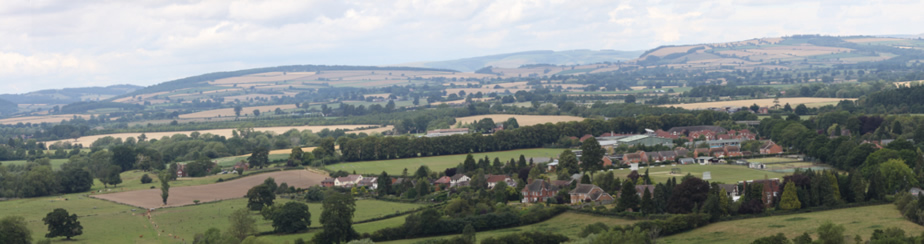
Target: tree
point(256, 112)
point(111, 176)
point(292, 217)
point(568, 162)
point(296, 157)
point(337, 218)
point(384, 182)
point(61, 224)
point(898, 176)
point(468, 234)
point(479, 181)
point(242, 225)
point(629, 99)
point(237, 110)
point(801, 109)
point(689, 193)
point(511, 123)
point(779, 238)
point(13, 229)
point(591, 156)
point(259, 157)
point(500, 192)
point(75, 180)
point(146, 179)
point(829, 233)
point(790, 200)
point(628, 197)
point(647, 206)
point(123, 156)
point(260, 196)
point(164, 178)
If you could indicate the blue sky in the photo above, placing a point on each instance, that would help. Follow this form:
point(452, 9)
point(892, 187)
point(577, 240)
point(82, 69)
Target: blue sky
point(56, 44)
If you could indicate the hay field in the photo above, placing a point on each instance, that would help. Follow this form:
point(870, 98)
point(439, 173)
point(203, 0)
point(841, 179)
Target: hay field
point(793, 101)
point(857, 221)
point(523, 120)
point(229, 112)
point(41, 119)
point(88, 140)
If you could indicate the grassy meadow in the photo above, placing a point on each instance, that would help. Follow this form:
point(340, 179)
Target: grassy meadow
point(857, 221)
point(568, 224)
point(108, 222)
point(436, 163)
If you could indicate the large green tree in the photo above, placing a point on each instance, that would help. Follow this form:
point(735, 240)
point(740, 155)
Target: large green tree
point(628, 197)
point(259, 158)
point(60, 223)
point(75, 180)
point(337, 218)
point(164, 178)
point(790, 199)
point(291, 217)
point(260, 196)
point(13, 229)
point(568, 162)
point(591, 156)
point(242, 225)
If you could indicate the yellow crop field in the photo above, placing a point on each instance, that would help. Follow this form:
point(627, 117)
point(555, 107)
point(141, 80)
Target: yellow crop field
point(229, 112)
point(523, 120)
point(793, 101)
point(87, 140)
point(41, 119)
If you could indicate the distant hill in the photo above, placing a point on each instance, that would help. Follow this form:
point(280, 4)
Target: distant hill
point(69, 95)
point(514, 60)
point(7, 107)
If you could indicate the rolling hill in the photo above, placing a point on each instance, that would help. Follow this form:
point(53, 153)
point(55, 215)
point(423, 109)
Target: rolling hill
point(518, 59)
point(70, 95)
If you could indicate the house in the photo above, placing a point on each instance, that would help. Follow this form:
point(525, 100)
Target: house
point(459, 180)
point(687, 160)
point(770, 148)
point(562, 183)
point(494, 179)
point(639, 189)
point(688, 129)
point(703, 134)
point(180, 170)
point(637, 157)
point(445, 180)
point(733, 151)
point(717, 152)
point(667, 156)
point(348, 181)
point(590, 193)
point(915, 191)
point(327, 182)
point(552, 165)
point(538, 191)
point(763, 110)
point(242, 165)
point(731, 190)
point(369, 182)
point(607, 161)
point(700, 152)
point(705, 160)
point(771, 189)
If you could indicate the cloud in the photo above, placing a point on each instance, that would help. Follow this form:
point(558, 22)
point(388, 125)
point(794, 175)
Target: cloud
point(66, 43)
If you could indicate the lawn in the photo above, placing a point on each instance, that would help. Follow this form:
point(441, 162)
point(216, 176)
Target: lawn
point(437, 163)
point(55, 163)
point(771, 160)
point(857, 221)
point(368, 227)
point(107, 222)
point(720, 172)
point(568, 224)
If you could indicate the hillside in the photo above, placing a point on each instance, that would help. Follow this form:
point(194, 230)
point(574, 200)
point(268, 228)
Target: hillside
point(70, 95)
point(7, 107)
point(518, 59)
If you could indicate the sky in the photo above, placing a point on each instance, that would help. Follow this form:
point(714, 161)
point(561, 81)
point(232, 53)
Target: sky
point(59, 44)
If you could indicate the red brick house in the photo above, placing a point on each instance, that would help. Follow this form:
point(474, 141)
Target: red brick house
point(327, 182)
point(636, 157)
point(763, 110)
point(590, 193)
point(770, 148)
point(607, 161)
point(771, 189)
point(538, 191)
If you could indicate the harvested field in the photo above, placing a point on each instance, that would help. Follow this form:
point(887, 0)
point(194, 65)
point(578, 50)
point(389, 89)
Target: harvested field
point(793, 101)
point(41, 119)
point(229, 112)
point(523, 120)
point(87, 140)
point(181, 196)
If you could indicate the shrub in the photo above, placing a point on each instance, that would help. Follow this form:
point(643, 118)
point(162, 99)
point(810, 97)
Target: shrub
point(146, 179)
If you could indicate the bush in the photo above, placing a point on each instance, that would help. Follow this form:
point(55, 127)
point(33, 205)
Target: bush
point(146, 179)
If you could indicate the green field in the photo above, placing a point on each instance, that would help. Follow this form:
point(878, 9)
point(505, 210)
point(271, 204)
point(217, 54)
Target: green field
point(857, 221)
point(568, 224)
point(360, 228)
point(131, 180)
point(720, 172)
point(55, 163)
point(108, 222)
point(771, 160)
point(437, 163)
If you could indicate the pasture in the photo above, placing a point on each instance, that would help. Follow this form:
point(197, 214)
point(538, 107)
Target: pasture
point(720, 172)
point(768, 102)
point(568, 224)
point(857, 221)
point(438, 163)
point(186, 195)
point(523, 120)
point(108, 222)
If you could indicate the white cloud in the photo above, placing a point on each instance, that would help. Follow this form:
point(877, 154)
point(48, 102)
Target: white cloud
point(68, 43)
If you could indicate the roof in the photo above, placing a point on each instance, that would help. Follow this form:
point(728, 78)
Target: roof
point(649, 188)
point(442, 180)
point(350, 178)
point(583, 189)
point(539, 185)
point(633, 138)
point(729, 188)
point(496, 178)
point(328, 180)
point(687, 160)
point(697, 128)
point(457, 176)
point(561, 182)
